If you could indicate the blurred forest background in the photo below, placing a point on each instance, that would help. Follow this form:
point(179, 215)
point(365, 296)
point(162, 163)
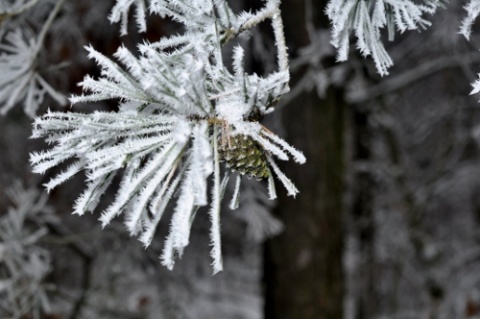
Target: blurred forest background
point(386, 225)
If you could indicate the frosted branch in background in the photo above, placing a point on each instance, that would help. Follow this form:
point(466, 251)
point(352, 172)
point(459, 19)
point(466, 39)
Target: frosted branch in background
point(24, 265)
point(12, 8)
point(20, 82)
point(255, 209)
point(367, 18)
point(182, 112)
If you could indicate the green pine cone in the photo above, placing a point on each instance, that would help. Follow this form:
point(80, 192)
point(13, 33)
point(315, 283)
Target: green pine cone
point(244, 155)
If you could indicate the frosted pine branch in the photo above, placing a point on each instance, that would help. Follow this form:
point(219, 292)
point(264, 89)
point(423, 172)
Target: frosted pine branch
point(367, 18)
point(182, 113)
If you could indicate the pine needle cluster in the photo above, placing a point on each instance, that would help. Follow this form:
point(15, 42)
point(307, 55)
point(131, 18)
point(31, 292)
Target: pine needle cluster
point(182, 112)
point(367, 18)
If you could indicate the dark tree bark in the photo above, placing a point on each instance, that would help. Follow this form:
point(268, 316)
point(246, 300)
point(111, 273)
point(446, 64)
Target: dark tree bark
point(303, 272)
point(362, 215)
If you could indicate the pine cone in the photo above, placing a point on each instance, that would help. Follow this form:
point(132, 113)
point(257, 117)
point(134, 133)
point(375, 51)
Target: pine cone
point(244, 155)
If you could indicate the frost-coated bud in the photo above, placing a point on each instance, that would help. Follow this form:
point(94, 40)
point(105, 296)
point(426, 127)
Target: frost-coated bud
point(244, 155)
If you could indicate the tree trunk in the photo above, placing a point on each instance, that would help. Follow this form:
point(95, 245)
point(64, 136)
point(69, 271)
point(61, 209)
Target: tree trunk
point(303, 271)
point(362, 217)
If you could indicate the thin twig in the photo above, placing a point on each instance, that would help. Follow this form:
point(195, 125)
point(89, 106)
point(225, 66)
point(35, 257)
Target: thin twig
point(18, 10)
point(88, 255)
point(407, 78)
point(47, 25)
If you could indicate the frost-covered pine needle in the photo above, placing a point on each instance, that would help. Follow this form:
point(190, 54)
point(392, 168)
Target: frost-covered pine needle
point(473, 11)
point(367, 18)
point(180, 110)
